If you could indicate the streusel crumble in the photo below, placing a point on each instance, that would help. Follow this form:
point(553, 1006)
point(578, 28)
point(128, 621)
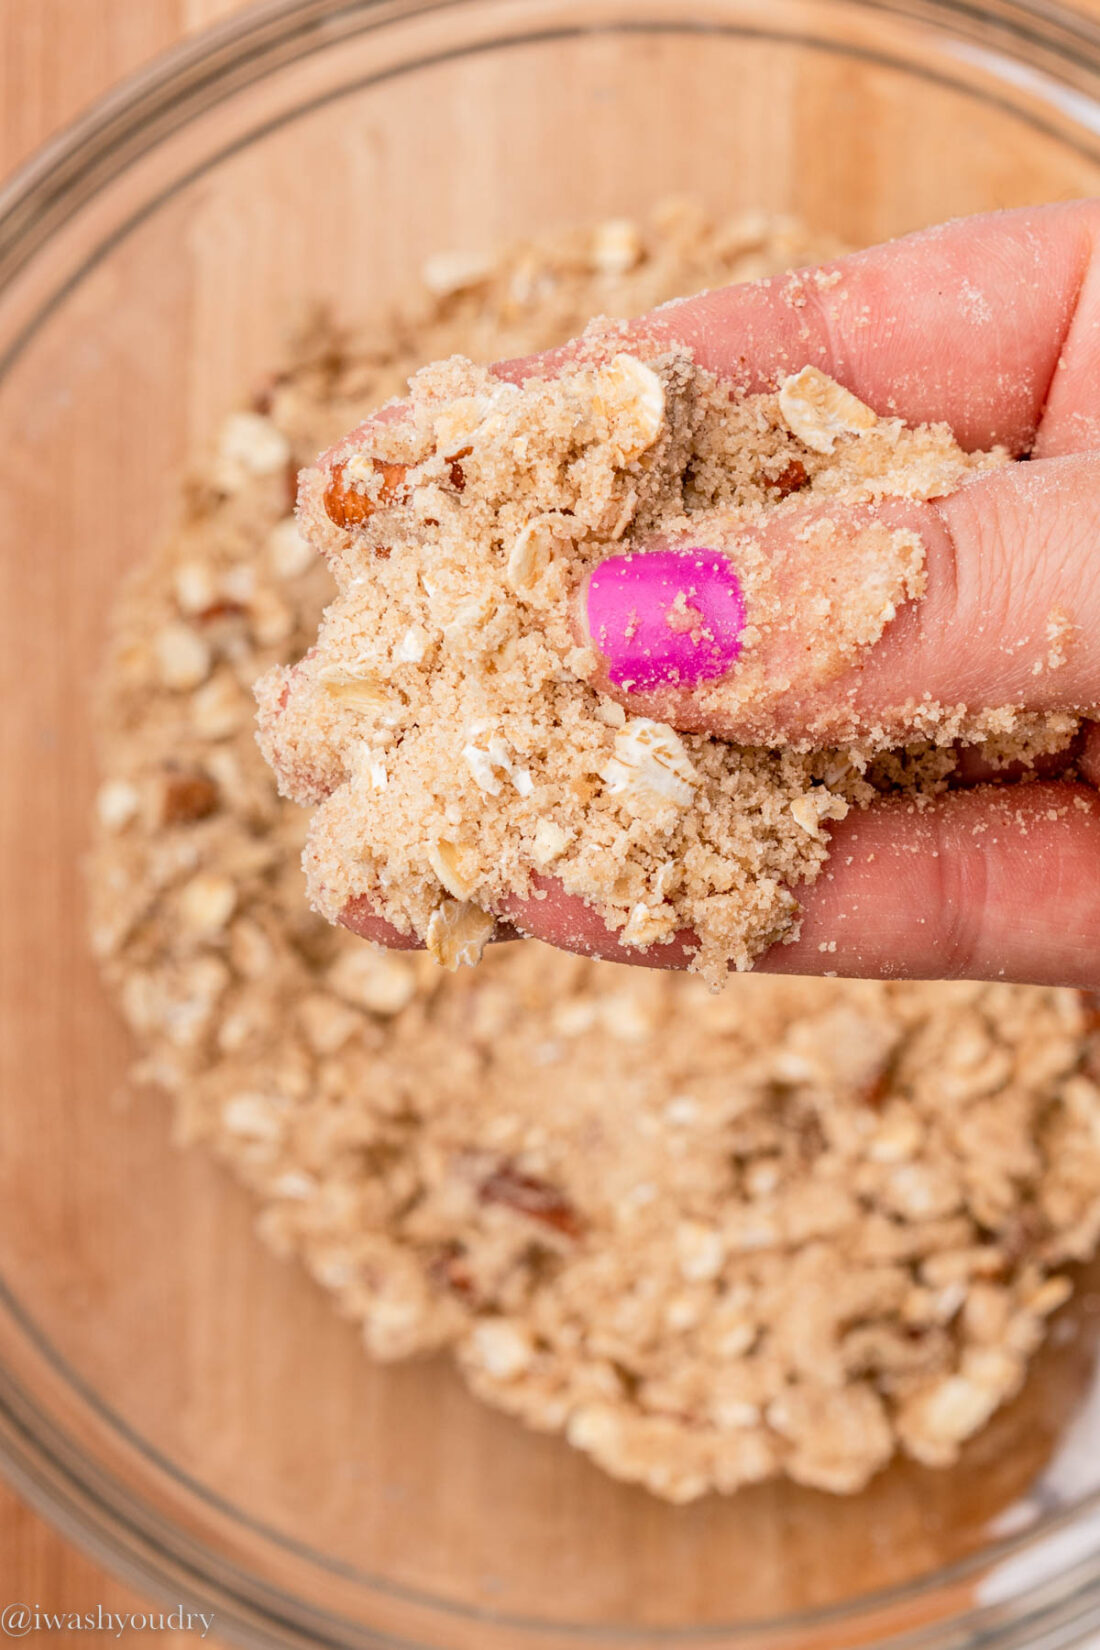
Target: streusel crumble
point(445, 726)
point(786, 1230)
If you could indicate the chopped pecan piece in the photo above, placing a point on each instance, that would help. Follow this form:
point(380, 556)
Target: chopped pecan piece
point(187, 797)
point(1090, 1007)
point(457, 473)
point(530, 1196)
point(450, 1270)
point(222, 610)
point(791, 479)
point(878, 1087)
point(348, 507)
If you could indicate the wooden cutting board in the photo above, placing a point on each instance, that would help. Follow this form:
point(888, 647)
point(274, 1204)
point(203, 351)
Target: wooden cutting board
point(56, 56)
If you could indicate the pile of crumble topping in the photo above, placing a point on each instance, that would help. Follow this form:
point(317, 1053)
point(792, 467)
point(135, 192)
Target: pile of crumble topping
point(444, 726)
point(788, 1230)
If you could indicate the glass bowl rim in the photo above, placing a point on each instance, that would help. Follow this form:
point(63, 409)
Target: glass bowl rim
point(84, 159)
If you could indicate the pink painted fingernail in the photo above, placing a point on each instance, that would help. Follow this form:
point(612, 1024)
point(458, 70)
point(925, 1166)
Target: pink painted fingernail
point(663, 618)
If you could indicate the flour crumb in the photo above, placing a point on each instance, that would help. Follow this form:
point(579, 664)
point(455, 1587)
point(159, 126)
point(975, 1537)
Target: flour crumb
point(695, 1238)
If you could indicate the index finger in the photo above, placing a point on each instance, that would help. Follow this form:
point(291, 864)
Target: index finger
point(972, 323)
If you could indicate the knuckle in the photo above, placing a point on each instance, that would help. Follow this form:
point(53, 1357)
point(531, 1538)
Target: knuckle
point(1018, 541)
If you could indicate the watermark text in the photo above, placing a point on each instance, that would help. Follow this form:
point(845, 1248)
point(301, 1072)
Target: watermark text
point(17, 1621)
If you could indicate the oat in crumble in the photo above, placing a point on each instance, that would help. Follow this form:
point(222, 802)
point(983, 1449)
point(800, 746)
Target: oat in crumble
point(789, 1230)
point(445, 727)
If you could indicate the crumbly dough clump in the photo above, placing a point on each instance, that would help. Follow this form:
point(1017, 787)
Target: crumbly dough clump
point(444, 725)
point(787, 1230)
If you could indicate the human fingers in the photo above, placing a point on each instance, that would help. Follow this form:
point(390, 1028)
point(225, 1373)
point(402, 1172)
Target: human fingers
point(999, 883)
point(360, 918)
point(990, 324)
point(1009, 615)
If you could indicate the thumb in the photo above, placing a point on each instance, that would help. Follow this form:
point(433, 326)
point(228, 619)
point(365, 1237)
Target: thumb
point(826, 626)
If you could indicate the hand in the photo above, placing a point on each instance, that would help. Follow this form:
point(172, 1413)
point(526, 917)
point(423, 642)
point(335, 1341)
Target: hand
point(991, 324)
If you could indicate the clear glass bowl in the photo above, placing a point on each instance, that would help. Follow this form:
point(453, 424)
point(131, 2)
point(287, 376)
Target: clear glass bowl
point(169, 1393)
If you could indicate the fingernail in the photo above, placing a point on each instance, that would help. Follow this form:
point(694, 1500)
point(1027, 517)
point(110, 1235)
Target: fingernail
point(664, 618)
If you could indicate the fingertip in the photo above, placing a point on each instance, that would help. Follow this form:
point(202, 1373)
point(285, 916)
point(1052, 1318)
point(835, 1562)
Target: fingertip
point(360, 918)
point(567, 922)
point(995, 883)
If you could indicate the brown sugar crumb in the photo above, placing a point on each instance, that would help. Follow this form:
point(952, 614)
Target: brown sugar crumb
point(445, 702)
point(788, 1230)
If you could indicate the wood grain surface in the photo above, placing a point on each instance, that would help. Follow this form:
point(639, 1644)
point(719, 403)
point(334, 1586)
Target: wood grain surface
point(57, 57)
